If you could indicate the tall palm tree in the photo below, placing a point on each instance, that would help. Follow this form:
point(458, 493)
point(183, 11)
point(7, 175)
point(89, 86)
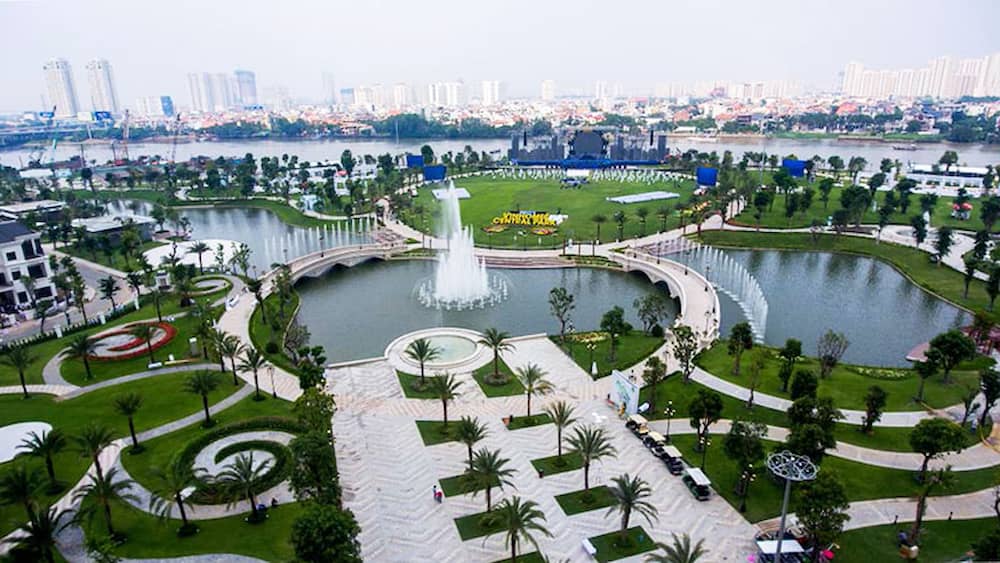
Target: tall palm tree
point(561, 414)
point(204, 331)
point(642, 213)
point(256, 287)
point(91, 440)
point(20, 358)
point(487, 470)
point(592, 443)
point(679, 551)
point(127, 404)
point(202, 383)
point(231, 347)
point(104, 490)
point(496, 340)
point(170, 493)
point(533, 379)
point(630, 496)
point(241, 479)
point(216, 337)
point(199, 248)
point(80, 348)
point(519, 520)
point(45, 445)
point(20, 485)
point(445, 387)
point(253, 361)
point(422, 351)
point(38, 535)
point(599, 220)
point(145, 332)
point(108, 286)
point(470, 431)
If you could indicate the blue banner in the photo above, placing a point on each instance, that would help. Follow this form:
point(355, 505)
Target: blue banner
point(707, 176)
point(414, 160)
point(795, 168)
point(434, 173)
point(46, 114)
point(102, 116)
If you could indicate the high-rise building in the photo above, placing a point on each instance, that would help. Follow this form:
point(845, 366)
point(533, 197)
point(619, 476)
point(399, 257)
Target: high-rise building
point(222, 91)
point(330, 93)
point(943, 77)
point(852, 78)
point(155, 106)
point(548, 90)
point(435, 94)
point(491, 92)
point(103, 96)
point(246, 87)
point(601, 90)
point(196, 90)
point(400, 95)
point(454, 93)
point(62, 92)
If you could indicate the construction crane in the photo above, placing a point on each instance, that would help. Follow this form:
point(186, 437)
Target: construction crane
point(35, 156)
point(177, 131)
point(125, 135)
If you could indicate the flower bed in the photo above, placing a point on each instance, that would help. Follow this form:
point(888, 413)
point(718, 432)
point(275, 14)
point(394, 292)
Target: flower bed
point(136, 345)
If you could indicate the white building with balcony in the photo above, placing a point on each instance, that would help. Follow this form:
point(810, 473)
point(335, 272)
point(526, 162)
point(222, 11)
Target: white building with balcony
point(22, 258)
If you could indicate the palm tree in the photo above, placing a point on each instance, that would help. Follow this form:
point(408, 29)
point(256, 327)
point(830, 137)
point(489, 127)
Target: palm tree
point(80, 348)
point(533, 379)
point(108, 287)
point(127, 404)
point(231, 347)
point(145, 332)
point(20, 358)
point(496, 340)
point(241, 479)
point(38, 535)
point(680, 551)
point(486, 470)
point(104, 490)
point(173, 483)
point(202, 383)
point(91, 441)
point(663, 213)
point(519, 520)
point(199, 248)
point(204, 331)
point(256, 287)
point(561, 414)
point(642, 213)
point(44, 446)
point(599, 220)
point(592, 443)
point(630, 496)
point(422, 351)
point(620, 218)
point(20, 485)
point(253, 361)
point(445, 387)
point(470, 431)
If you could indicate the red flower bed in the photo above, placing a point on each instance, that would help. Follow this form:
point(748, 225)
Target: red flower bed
point(137, 345)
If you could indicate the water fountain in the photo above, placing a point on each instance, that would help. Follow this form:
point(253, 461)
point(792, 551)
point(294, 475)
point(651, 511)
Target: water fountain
point(460, 281)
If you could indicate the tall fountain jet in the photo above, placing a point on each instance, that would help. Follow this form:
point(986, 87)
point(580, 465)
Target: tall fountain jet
point(460, 280)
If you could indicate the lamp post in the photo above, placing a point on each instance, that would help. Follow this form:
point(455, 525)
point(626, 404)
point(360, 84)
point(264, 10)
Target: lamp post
point(790, 467)
point(704, 442)
point(270, 372)
point(669, 412)
point(591, 346)
point(748, 476)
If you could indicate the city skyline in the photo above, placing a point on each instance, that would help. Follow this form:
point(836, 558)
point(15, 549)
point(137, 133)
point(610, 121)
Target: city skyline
point(638, 53)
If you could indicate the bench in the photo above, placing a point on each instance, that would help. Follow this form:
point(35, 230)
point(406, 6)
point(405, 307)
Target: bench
point(589, 547)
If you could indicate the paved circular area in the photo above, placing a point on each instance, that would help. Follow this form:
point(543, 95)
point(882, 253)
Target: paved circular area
point(206, 457)
point(11, 437)
point(460, 350)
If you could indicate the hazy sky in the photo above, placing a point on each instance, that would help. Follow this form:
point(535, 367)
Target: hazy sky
point(153, 44)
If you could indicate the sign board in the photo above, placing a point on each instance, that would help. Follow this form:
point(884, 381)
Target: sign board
point(795, 168)
point(414, 161)
point(527, 219)
point(435, 173)
point(707, 176)
point(624, 392)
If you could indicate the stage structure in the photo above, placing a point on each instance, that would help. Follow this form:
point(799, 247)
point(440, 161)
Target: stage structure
point(588, 148)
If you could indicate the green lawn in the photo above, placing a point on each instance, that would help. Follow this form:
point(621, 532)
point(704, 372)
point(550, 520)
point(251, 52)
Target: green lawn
point(492, 197)
point(583, 501)
point(609, 549)
point(150, 537)
point(512, 387)
point(571, 461)
point(914, 264)
point(520, 422)
point(434, 432)
point(475, 526)
point(846, 385)
point(633, 348)
point(940, 540)
point(460, 485)
point(409, 383)
point(116, 260)
point(862, 482)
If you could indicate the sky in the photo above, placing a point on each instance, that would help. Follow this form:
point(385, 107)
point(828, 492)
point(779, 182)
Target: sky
point(152, 45)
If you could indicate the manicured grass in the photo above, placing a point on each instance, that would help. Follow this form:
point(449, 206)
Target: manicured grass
point(862, 482)
point(520, 422)
point(160, 452)
point(409, 383)
point(149, 537)
point(846, 384)
point(633, 348)
point(583, 500)
point(571, 461)
point(914, 264)
point(460, 485)
point(492, 197)
point(434, 432)
point(261, 333)
point(475, 526)
point(512, 387)
point(609, 547)
point(284, 212)
point(940, 540)
point(116, 260)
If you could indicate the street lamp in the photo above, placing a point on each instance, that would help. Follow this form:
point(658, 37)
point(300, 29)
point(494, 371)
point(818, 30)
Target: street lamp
point(790, 467)
point(591, 346)
point(748, 476)
point(669, 412)
point(704, 442)
point(270, 371)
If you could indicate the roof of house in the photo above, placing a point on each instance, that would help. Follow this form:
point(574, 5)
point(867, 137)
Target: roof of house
point(26, 206)
point(10, 230)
